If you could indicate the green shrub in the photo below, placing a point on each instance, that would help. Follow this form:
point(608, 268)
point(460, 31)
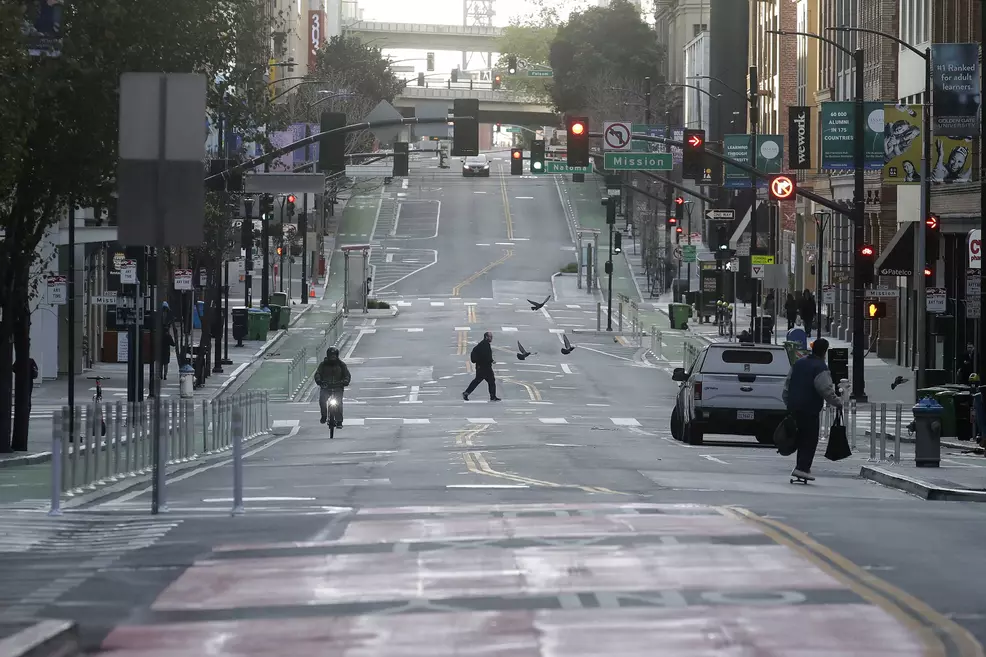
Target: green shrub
point(374, 304)
point(570, 268)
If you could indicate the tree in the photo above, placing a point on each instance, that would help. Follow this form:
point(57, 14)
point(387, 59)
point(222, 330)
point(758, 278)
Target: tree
point(60, 115)
point(529, 42)
point(600, 45)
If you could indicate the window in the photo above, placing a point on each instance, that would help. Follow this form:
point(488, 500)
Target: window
point(748, 356)
point(698, 28)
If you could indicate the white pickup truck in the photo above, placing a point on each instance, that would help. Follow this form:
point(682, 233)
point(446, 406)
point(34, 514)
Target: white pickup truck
point(731, 388)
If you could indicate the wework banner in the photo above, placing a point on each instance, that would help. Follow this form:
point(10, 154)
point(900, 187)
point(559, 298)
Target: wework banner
point(799, 136)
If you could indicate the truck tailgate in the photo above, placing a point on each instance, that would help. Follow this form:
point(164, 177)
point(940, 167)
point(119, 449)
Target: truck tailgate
point(739, 391)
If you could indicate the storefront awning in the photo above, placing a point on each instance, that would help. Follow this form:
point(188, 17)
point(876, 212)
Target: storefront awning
point(897, 258)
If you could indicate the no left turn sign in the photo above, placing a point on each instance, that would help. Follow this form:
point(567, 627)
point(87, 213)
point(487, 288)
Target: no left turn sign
point(616, 136)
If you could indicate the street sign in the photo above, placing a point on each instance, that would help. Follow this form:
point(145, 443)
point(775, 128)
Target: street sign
point(637, 161)
point(690, 252)
point(538, 73)
point(183, 279)
point(557, 166)
point(762, 259)
point(514, 128)
point(782, 187)
point(108, 299)
point(616, 136)
point(828, 294)
point(880, 293)
point(677, 254)
point(758, 271)
point(57, 290)
point(936, 299)
point(720, 215)
point(128, 272)
point(384, 111)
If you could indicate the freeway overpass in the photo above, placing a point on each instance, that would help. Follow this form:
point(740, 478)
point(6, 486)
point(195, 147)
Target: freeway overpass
point(494, 106)
point(419, 36)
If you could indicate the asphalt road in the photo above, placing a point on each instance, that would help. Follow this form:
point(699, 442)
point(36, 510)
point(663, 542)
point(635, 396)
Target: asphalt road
point(563, 520)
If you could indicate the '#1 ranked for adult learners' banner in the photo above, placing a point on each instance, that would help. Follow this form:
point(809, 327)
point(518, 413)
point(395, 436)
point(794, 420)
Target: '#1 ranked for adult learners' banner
point(955, 76)
point(838, 132)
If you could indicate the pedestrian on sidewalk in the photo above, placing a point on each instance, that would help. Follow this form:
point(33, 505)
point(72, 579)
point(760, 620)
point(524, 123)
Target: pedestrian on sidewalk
point(482, 358)
point(807, 387)
point(791, 310)
point(808, 310)
point(968, 366)
point(167, 343)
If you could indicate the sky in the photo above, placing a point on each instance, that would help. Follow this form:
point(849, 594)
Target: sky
point(445, 12)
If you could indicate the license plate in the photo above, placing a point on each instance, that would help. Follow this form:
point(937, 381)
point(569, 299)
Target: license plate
point(744, 415)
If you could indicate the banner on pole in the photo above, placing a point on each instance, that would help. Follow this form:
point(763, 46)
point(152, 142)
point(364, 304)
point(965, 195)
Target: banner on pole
point(902, 144)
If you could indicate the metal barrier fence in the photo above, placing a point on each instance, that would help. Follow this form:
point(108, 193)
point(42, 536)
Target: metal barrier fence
point(297, 371)
point(88, 459)
point(870, 420)
point(333, 331)
point(626, 315)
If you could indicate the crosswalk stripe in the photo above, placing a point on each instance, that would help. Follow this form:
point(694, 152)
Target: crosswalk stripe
point(552, 420)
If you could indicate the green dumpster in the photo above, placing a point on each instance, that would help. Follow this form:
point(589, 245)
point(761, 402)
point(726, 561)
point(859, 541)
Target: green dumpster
point(278, 299)
point(275, 316)
point(946, 398)
point(258, 323)
point(285, 317)
point(679, 314)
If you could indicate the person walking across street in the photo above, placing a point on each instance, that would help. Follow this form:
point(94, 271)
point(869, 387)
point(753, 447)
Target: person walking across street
point(807, 310)
point(482, 358)
point(807, 387)
point(791, 310)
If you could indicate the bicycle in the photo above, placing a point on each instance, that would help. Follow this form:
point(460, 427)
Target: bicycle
point(333, 406)
point(98, 397)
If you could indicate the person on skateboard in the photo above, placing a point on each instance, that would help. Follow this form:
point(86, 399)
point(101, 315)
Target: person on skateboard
point(807, 387)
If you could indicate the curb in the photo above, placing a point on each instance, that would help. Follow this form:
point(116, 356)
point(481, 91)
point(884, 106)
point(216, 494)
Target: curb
point(47, 638)
point(968, 445)
point(922, 489)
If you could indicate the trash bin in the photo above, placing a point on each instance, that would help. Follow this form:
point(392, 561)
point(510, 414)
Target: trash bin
point(679, 314)
point(963, 414)
point(927, 436)
point(198, 314)
point(278, 299)
point(186, 381)
point(285, 317)
point(239, 318)
point(275, 317)
point(258, 323)
point(946, 398)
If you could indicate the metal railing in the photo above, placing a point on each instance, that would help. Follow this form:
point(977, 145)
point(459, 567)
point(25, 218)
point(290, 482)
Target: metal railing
point(297, 372)
point(333, 331)
point(656, 341)
point(91, 458)
point(861, 420)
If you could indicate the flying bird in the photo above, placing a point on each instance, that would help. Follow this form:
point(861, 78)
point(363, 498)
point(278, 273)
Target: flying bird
point(899, 381)
point(535, 306)
point(569, 347)
point(521, 352)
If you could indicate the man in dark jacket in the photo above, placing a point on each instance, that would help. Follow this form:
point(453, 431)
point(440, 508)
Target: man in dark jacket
point(807, 387)
point(331, 377)
point(482, 357)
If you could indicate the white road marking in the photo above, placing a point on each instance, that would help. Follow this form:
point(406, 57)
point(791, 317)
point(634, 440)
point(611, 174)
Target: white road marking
point(521, 239)
point(480, 420)
point(416, 420)
point(403, 304)
point(600, 405)
point(217, 500)
point(479, 192)
point(504, 243)
point(557, 331)
point(566, 368)
point(389, 257)
point(709, 457)
point(624, 421)
point(463, 328)
point(486, 486)
point(358, 422)
point(482, 245)
point(508, 329)
point(552, 420)
point(576, 306)
point(413, 395)
point(524, 198)
point(437, 303)
point(470, 303)
point(414, 330)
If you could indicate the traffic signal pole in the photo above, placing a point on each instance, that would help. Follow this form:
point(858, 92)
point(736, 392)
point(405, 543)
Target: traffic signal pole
point(754, 104)
point(859, 217)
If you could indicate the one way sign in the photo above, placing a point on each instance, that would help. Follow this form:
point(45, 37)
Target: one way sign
point(758, 270)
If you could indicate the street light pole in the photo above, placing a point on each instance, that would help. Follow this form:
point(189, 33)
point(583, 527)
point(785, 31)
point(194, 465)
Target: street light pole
point(821, 219)
point(859, 217)
point(647, 98)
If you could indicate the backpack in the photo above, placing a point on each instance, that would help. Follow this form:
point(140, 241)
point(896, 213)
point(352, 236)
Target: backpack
point(34, 370)
point(472, 356)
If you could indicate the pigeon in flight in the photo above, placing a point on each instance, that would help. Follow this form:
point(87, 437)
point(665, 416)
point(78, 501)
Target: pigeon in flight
point(535, 306)
point(569, 347)
point(521, 352)
point(900, 380)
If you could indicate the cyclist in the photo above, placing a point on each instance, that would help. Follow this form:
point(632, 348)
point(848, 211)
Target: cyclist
point(331, 377)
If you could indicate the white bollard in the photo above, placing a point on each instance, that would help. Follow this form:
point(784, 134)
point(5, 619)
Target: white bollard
point(237, 461)
point(897, 434)
point(872, 433)
point(57, 429)
point(883, 432)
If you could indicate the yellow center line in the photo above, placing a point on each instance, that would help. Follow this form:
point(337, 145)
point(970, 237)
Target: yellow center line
point(507, 253)
point(461, 343)
point(471, 315)
point(506, 204)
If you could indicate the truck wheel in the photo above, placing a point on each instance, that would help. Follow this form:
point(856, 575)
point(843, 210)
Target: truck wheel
point(694, 435)
point(766, 438)
point(676, 423)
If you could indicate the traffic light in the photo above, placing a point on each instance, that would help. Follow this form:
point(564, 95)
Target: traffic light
point(430, 60)
point(617, 243)
point(610, 202)
point(497, 81)
point(465, 136)
point(932, 238)
point(290, 207)
point(721, 242)
point(512, 64)
point(693, 155)
point(455, 75)
point(679, 209)
point(332, 148)
point(401, 156)
point(516, 162)
point(537, 156)
point(782, 186)
point(496, 128)
point(246, 233)
point(876, 309)
point(279, 251)
point(577, 128)
point(266, 206)
point(421, 79)
point(865, 259)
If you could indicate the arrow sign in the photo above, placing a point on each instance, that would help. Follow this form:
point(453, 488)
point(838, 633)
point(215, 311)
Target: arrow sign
point(720, 215)
point(782, 187)
point(616, 136)
point(757, 271)
point(695, 141)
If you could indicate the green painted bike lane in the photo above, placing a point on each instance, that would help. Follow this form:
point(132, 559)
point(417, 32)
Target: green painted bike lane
point(357, 219)
point(25, 482)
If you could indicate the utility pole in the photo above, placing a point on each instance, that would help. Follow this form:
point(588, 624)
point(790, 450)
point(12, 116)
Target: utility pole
point(248, 260)
point(610, 204)
point(265, 252)
point(859, 218)
point(982, 206)
point(71, 318)
point(754, 120)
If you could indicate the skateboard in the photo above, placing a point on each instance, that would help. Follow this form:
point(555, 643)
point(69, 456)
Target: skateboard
point(795, 479)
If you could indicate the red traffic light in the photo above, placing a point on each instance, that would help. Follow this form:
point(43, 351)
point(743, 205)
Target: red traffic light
point(672, 220)
point(931, 222)
point(515, 155)
point(695, 141)
point(577, 128)
point(498, 78)
point(867, 251)
point(927, 271)
point(291, 198)
point(679, 229)
point(679, 201)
